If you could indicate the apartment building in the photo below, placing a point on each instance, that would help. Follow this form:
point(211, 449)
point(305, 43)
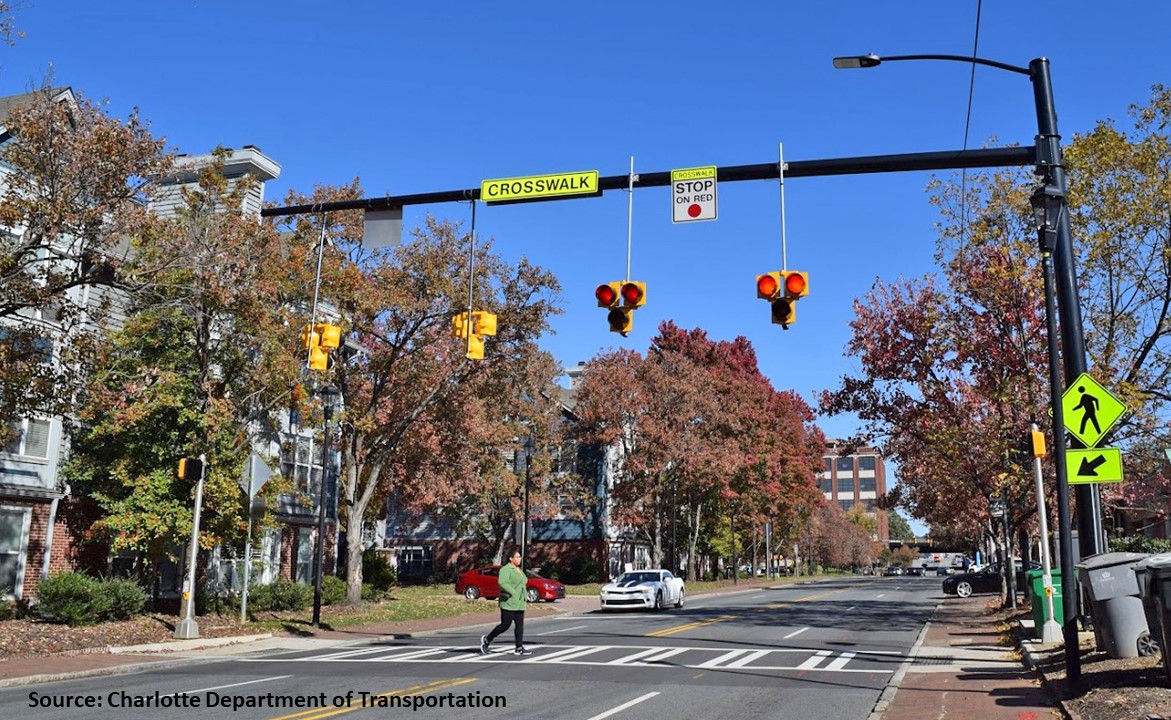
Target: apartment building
point(855, 478)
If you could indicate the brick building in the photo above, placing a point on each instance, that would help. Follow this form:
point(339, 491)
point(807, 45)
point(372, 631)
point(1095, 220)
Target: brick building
point(857, 478)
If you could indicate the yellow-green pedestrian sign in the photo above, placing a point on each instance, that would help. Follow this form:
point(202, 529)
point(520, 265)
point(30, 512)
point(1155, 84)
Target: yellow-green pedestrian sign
point(1097, 465)
point(1089, 410)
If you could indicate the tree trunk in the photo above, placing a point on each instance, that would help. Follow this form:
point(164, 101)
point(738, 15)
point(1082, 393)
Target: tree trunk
point(657, 529)
point(356, 512)
point(692, 544)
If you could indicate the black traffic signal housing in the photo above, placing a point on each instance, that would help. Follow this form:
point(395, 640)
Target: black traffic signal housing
point(190, 468)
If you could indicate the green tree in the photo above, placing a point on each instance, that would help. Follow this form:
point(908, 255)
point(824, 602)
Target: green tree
point(900, 529)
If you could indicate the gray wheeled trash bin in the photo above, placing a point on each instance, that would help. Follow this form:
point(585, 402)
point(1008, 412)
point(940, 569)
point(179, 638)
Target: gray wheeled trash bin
point(1157, 582)
point(1116, 602)
point(1150, 602)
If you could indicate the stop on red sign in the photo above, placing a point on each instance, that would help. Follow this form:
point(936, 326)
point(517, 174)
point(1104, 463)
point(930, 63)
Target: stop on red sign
point(693, 194)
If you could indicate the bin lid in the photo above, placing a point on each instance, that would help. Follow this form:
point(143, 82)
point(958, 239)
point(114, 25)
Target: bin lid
point(1105, 560)
point(1160, 564)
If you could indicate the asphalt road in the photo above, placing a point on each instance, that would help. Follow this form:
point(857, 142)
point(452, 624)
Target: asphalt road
point(821, 650)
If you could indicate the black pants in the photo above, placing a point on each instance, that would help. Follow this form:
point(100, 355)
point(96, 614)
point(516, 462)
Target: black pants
point(516, 618)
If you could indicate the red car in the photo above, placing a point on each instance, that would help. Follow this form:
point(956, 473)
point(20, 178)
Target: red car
point(482, 582)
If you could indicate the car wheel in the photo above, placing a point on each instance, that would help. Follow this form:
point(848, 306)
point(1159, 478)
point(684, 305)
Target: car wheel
point(680, 603)
point(1147, 645)
point(964, 589)
point(471, 592)
point(532, 595)
point(659, 601)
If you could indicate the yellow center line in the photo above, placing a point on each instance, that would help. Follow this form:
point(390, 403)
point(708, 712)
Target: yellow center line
point(692, 626)
point(317, 713)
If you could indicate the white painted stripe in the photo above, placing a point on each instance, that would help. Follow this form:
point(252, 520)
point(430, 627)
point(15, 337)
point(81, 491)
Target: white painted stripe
point(795, 633)
point(840, 662)
point(662, 656)
point(221, 687)
point(851, 608)
point(814, 661)
point(715, 662)
point(623, 706)
point(575, 627)
point(635, 656)
point(581, 653)
point(753, 597)
point(741, 662)
point(881, 594)
point(363, 651)
point(560, 653)
point(411, 655)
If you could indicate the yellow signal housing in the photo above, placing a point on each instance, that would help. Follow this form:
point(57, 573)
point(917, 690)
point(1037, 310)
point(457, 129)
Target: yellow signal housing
point(1038, 439)
point(483, 323)
point(621, 320)
point(633, 294)
point(459, 325)
point(784, 312)
point(318, 358)
point(608, 294)
point(796, 284)
point(476, 347)
point(309, 337)
point(768, 286)
point(190, 468)
point(331, 335)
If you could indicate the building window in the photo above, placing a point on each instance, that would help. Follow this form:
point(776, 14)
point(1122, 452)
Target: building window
point(866, 462)
point(564, 458)
point(829, 464)
point(867, 485)
point(869, 503)
point(845, 505)
point(827, 485)
point(29, 437)
point(304, 556)
point(14, 522)
point(845, 486)
point(846, 464)
point(301, 463)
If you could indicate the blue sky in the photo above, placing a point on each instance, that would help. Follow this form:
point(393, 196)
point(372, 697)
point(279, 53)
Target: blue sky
point(423, 97)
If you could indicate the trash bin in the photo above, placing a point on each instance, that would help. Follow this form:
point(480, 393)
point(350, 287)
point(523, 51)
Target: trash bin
point(1036, 585)
point(1115, 600)
point(1156, 574)
point(1150, 603)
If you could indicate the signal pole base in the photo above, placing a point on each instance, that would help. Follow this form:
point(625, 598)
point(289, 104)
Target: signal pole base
point(1050, 632)
point(186, 629)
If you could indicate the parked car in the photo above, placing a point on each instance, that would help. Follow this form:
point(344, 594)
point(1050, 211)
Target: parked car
point(943, 571)
point(985, 580)
point(655, 589)
point(893, 570)
point(483, 582)
point(916, 571)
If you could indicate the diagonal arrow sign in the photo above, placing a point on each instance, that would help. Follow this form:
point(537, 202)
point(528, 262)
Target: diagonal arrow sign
point(1089, 467)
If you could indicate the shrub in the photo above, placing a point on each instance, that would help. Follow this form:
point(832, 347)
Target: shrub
point(371, 593)
point(582, 570)
point(550, 569)
point(280, 595)
point(377, 571)
point(126, 598)
point(1139, 544)
point(72, 598)
point(333, 590)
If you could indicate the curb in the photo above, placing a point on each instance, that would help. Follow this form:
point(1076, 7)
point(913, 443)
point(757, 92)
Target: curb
point(1027, 655)
point(185, 645)
point(99, 672)
point(892, 687)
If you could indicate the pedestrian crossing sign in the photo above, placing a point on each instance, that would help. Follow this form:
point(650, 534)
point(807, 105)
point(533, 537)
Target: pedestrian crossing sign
point(1090, 410)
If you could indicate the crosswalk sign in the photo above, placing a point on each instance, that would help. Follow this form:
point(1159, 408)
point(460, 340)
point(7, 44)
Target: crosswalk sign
point(1090, 410)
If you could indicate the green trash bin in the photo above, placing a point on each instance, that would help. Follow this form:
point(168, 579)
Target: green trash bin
point(1037, 592)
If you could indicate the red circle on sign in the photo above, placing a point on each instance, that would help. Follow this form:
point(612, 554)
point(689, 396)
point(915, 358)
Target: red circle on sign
point(694, 210)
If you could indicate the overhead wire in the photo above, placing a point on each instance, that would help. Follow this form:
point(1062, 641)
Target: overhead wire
point(967, 128)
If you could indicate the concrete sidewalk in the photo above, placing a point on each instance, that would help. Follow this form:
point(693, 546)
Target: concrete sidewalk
point(959, 670)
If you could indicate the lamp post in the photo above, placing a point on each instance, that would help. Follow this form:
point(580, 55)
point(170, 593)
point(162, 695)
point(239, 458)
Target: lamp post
point(524, 538)
point(329, 395)
point(1056, 241)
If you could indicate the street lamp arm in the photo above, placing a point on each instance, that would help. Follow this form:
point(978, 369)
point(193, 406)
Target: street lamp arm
point(857, 61)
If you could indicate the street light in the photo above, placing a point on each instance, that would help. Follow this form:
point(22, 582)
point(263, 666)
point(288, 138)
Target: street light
point(329, 395)
point(524, 538)
point(1055, 240)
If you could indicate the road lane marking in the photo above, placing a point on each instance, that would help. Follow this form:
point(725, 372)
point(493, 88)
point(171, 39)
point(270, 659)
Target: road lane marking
point(541, 658)
point(363, 651)
point(316, 713)
point(581, 653)
point(689, 626)
point(575, 627)
point(221, 687)
point(717, 661)
point(795, 633)
point(662, 656)
point(881, 594)
point(851, 608)
point(410, 655)
point(839, 662)
point(754, 597)
point(813, 662)
point(623, 706)
point(635, 656)
point(741, 662)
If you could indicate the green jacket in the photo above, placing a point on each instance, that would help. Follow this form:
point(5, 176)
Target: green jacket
point(513, 581)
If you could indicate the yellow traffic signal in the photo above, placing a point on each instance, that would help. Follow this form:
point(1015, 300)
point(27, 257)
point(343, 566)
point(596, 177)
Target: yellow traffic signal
point(318, 358)
point(633, 294)
point(621, 320)
point(309, 338)
point(784, 312)
point(796, 284)
point(608, 295)
point(768, 286)
point(483, 323)
point(331, 335)
point(1038, 443)
point(459, 325)
point(190, 468)
point(476, 347)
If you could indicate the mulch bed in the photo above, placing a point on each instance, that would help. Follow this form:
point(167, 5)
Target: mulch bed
point(23, 638)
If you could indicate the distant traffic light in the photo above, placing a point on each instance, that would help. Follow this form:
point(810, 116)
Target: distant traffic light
point(607, 294)
point(768, 286)
point(634, 294)
point(621, 320)
point(482, 323)
point(782, 289)
point(796, 284)
point(319, 339)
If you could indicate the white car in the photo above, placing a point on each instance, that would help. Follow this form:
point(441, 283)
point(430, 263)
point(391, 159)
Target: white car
point(643, 589)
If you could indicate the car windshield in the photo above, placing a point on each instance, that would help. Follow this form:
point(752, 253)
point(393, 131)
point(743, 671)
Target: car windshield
point(637, 577)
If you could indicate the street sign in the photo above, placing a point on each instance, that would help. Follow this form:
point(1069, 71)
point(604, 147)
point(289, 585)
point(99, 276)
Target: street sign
point(256, 473)
point(1097, 465)
point(693, 194)
point(540, 187)
point(1089, 410)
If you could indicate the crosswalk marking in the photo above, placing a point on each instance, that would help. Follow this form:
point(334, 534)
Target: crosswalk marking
point(620, 656)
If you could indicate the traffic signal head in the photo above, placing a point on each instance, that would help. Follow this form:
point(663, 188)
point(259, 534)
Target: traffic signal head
point(621, 320)
point(459, 325)
point(768, 286)
point(633, 294)
point(310, 337)
point(796, 284)
point(784, 312)
point(190, 469)
point(330, 335)
point(318, 358)
point(607, 295)
point(483, 323)
point(476, 347)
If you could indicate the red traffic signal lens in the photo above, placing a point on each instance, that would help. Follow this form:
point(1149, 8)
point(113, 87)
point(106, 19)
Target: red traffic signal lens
point(766, 285)
point(605, 295)
point(631, 293)
point(794, 283)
